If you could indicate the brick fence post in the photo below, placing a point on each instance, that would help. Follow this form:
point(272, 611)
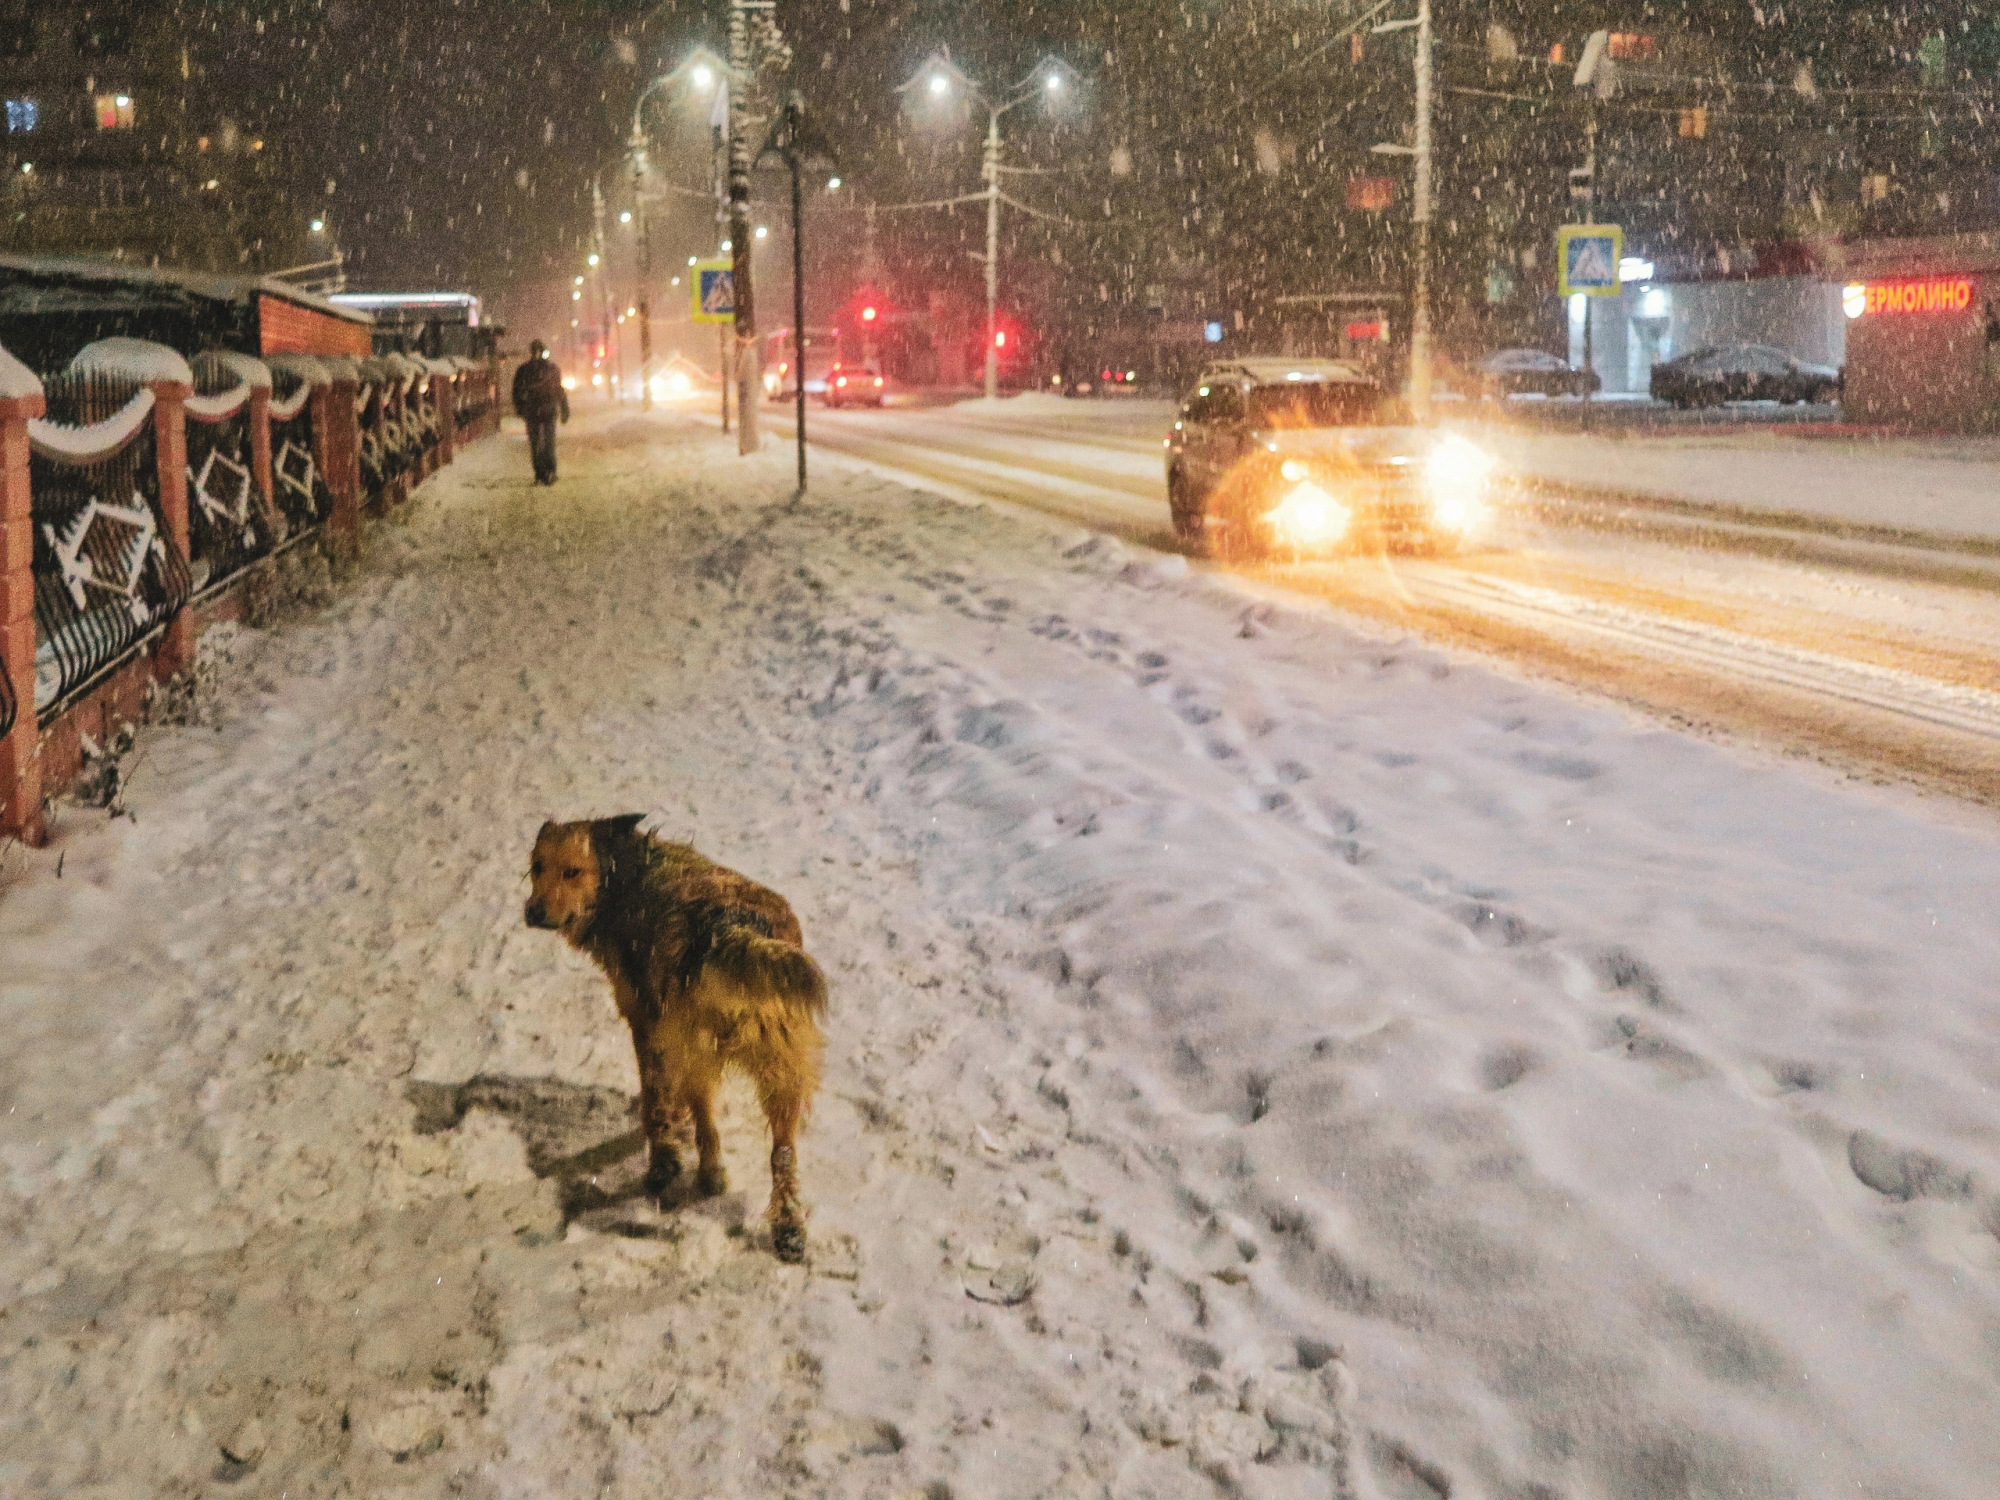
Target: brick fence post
point(337, 454)
point(20, 767)
point(260, 446)
point(170, 444)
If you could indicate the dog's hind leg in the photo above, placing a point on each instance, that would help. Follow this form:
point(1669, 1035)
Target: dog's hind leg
point(698, 1088)
point(784, 1109)
point(656, 1112)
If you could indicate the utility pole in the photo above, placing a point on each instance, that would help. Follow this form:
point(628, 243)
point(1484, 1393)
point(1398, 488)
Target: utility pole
point(742, 68)
point(645, 265)
point(1420, 291)
point(603, 275)
point(992, 168)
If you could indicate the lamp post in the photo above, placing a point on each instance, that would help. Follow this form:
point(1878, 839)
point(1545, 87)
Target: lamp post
point(938, 81)
point(799, 147)
point(699, 70)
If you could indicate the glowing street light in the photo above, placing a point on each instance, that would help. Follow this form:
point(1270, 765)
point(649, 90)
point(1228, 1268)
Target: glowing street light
point(941, 80)
point(702, 76)
point(625, 217)
point(833, 184)
point(591, 260)
point(318, 225)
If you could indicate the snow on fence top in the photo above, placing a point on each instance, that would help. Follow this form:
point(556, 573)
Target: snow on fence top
point(17, 381)
point(97, 442)
point(306, 368)
point(133, 359)
point(339, 367)
point(248, 368)
point(251, 374)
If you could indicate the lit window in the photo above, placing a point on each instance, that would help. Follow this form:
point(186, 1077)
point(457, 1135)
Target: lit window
point(114, 112)
point(23, 115)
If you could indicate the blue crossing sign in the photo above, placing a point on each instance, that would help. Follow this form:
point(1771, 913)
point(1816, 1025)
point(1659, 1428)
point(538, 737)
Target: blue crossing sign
point(1587, 257)
point(714, 292)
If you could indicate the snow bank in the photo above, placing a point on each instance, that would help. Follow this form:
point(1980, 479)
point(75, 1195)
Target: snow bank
point(95, 443)
point(132, 359)
point(1269, 1061)
point(17, 381)
point(1936, 485)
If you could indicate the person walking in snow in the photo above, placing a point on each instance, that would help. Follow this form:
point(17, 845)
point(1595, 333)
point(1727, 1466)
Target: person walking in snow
point(539, 399)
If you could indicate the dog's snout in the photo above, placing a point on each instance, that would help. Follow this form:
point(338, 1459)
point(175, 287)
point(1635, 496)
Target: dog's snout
point(538, 914)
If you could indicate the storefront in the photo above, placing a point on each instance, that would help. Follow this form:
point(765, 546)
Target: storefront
point(1923, 333)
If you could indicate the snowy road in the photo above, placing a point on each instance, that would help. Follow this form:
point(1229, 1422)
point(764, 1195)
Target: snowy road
point(1875, 656)
point(1267, 1058)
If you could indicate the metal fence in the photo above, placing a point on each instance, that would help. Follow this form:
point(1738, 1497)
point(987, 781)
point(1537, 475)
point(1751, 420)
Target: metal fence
point(106, 574)
point(9, 705)
point(229, 526)
point(475, 399)
point(298, 486)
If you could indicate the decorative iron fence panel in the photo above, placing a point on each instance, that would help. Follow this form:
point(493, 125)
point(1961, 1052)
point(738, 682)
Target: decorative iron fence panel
point(106, 575)
point(299, 488)
point(228, 525)
point(9, 705)
point(375, 475)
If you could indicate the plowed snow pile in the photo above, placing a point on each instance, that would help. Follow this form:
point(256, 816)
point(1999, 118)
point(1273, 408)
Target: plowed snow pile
point(1266, 1059)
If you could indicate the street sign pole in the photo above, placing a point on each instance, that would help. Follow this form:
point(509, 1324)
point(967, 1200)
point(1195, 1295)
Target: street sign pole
point(1587, 257)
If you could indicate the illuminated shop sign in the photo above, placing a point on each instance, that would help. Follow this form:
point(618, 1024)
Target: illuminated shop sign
point(1951, 294)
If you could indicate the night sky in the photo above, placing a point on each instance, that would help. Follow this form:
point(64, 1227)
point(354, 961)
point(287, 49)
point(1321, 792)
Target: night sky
point(453, 142)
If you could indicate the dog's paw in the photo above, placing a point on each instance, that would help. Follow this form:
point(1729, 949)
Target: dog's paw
point(788, 1241)
point(711, 1182)
point(662, 1171)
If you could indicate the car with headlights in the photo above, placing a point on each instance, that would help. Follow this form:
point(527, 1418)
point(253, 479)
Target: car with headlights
point(1531, 372)
point(1742, 372)
point(1298, 458)
point(853, 385)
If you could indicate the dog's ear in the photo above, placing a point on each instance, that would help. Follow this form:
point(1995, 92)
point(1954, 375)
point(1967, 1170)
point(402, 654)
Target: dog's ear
point(624, 823)
point(549, 826)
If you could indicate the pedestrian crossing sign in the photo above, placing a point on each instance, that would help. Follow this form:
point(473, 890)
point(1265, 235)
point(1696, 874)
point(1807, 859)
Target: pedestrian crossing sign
point(714, 292)
point(1587, 256)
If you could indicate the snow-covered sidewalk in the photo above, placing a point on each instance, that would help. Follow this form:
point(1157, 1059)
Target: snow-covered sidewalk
point(1265, 1059)
point(1947, 488)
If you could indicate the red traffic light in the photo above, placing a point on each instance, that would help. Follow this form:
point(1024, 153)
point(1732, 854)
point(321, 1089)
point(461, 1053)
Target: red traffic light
point(1000, 339)
point(867, 314)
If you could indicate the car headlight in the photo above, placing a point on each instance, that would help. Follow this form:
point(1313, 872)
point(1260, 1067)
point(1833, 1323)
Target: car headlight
point(1309, 516)
point(1457, 472)
point(1292, 469)
point(1458, 467)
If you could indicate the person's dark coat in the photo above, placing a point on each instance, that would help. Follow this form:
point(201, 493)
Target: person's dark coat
point(538, 391)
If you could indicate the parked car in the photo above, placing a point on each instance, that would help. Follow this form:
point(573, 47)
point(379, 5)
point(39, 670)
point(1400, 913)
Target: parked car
point(853, 385)
point(1299, 458)
point(1519, 372)
point(1742, 372)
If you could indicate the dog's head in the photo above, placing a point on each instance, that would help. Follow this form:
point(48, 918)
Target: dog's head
point(564, 878)
point(570, 868)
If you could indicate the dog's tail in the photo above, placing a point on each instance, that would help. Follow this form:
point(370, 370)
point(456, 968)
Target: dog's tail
point(740, 951)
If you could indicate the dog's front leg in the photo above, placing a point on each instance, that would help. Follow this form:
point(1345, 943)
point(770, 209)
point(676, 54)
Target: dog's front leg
point(656, 1111)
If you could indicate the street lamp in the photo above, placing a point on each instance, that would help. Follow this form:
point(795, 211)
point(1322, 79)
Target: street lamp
point(699, 70)
point(941, 80)
point(801, 148)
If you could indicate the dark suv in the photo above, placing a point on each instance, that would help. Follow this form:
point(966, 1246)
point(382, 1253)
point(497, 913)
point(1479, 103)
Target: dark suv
point(1311, 457)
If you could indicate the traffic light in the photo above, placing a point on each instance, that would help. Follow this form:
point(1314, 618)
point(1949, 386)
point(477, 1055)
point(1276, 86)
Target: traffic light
point(867, 314)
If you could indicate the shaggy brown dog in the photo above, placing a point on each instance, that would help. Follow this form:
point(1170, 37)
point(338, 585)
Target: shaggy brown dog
point(707, 970)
